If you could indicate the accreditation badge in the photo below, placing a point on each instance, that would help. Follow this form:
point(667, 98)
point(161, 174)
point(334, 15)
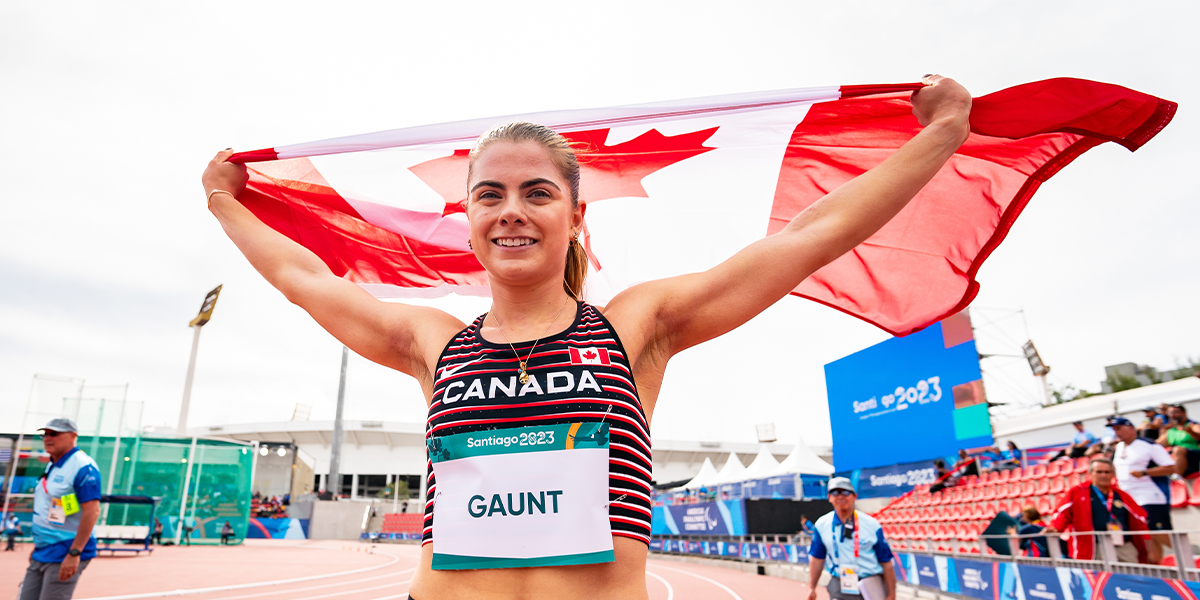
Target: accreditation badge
point(522, 497)
point(1118, 534)
point(849, 580)
point(56, 515)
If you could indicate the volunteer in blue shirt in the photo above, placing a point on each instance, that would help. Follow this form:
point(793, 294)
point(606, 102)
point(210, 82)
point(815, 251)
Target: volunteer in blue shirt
point(1081, 442)
point(66, 504)
point(859, 558)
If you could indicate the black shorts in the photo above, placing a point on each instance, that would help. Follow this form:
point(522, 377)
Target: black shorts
point(1193, 462)
point(1158, 516)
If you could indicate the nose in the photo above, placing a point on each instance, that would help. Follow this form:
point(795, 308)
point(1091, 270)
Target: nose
point(512, 211)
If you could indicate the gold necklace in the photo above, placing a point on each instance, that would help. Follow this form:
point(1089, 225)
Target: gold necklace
point(522, 372)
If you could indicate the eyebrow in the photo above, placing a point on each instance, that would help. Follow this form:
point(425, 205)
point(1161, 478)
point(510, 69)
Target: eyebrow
point(526, 185)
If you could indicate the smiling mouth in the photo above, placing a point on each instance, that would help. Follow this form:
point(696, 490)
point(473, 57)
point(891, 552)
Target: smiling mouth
point(514, 242)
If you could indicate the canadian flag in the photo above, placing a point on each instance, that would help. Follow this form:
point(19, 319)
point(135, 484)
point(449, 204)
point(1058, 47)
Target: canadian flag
point(590, 356)
point(677, 187)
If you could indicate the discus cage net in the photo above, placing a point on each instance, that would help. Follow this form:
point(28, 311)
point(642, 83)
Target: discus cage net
point(196, 482)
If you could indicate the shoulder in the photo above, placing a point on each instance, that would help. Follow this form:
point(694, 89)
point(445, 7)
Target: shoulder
point(826, 520)
point(80, 460)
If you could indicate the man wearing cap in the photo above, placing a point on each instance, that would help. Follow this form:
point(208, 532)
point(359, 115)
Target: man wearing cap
point(1143, 470)
point(66, 504)
point(1152, 426)
point(860, 560)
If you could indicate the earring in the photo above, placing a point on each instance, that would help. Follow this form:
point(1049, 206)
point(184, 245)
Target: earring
point(574, 238)
point(469, 247)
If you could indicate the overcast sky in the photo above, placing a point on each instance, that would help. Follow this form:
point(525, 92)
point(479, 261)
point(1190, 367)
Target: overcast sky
point(110, 111)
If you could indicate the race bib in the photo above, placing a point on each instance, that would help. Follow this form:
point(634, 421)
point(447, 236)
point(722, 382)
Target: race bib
point(56, 514)
point(849, 580)
point(523, 497)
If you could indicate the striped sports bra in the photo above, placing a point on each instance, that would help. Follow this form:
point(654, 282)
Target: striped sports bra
point(579, 375)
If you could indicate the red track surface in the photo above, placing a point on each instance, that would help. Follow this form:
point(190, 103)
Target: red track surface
point(271, 570)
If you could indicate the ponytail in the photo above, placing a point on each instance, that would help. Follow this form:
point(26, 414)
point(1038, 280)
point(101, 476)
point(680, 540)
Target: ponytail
point(576, 269)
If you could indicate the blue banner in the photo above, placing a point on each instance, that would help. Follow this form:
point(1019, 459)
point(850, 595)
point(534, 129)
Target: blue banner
point(771, 487)
point(975, 579)
point(891, 481)
point(724, 517)
point(908, 399)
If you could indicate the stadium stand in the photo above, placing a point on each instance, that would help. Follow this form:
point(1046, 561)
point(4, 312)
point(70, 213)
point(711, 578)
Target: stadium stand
point(402, 523)
point(953, 519)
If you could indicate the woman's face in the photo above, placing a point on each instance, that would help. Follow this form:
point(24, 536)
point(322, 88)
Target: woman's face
point(521, 214)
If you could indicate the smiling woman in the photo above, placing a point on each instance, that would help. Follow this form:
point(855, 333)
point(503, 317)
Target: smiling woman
point(575, 388)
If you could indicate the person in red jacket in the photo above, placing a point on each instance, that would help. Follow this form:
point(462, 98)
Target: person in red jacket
point(1097, 505)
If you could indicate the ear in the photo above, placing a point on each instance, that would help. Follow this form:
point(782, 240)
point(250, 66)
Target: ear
point(577, 217)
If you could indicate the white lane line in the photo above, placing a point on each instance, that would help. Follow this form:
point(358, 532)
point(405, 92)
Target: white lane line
point(701, 577)
point(357, 590)
point(317, 587)
point(670, 590)
point(242, 586)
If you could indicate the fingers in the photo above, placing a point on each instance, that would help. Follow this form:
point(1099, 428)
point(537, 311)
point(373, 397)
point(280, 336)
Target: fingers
point(223, 156)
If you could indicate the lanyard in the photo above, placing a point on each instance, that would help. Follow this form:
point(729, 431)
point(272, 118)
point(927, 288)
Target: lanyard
point(1108, 502)
point(841, 533)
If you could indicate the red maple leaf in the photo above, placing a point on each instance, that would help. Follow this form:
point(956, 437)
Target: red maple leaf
point(590, 354)
point(605, 171)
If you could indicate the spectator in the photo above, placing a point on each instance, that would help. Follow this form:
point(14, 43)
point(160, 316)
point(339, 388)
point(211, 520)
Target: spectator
point(1097, 506)
point(12, 529)
point(1082, 441)
point(944, 477)
point(1031, 523)
point(157, 535)
point(189, 525)
point(1143, 469)
point(966, 465)
point(1011, 458)
point(226, 533)
point(1152, 426)
point(1181, 438)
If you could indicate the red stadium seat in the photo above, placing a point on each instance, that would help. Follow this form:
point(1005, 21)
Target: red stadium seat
point(1053, 469)
point(1036, 472)
point(1016, 474)
point(1027, 489)
point(1081, 464)
point(1056, 485)
point(1005, 475)
point(989, 492)
point(1044, 506)
point(1073, 480)
point(970, 481)
point(1043, 487)
point(1011, 490)
point(990, 510)
point(1195, 495)
point(1179, 497)
point(956, 497)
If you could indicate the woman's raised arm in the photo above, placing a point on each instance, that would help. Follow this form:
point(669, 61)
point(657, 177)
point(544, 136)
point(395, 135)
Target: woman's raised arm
point(672, 314)
point(405, 338)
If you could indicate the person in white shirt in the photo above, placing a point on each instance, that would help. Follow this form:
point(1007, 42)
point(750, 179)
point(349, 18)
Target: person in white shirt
point(1143, 471)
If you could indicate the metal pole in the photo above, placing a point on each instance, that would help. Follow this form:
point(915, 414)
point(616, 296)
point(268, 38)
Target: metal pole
point(116, 451)
point(396, 490)
point(16, 455)
point(335, 454)
point(187, 384)
point(183, 494)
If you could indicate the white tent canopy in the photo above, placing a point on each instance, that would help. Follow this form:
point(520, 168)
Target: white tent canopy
point(731, 472)
point(707, 474)
point(804, 461)
point(764, 465)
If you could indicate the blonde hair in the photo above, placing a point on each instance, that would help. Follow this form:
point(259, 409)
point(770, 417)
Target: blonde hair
point(563, 157)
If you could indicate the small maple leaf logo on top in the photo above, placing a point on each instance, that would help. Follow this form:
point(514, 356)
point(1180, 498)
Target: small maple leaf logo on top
point(604, 171)
point(589, 356)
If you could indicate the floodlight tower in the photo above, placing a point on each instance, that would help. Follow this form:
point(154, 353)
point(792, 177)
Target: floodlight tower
point(206, 309)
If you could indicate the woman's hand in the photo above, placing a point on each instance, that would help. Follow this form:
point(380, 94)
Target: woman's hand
point(942, 98)
point(224, 175)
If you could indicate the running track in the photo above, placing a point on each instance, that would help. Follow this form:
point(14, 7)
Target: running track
point(320, 570)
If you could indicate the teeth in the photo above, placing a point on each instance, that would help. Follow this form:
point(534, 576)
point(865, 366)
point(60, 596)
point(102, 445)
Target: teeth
point(512, 242)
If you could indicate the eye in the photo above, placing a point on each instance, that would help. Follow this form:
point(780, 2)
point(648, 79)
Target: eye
point(539, 193)
point(489, 195)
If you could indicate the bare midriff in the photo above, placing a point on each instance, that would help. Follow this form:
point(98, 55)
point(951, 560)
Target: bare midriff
point(624, 579)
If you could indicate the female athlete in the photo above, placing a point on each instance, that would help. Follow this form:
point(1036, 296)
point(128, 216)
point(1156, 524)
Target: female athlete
point(542, 358)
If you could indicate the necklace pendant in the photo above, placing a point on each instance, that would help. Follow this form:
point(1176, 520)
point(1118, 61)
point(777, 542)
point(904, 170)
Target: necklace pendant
point(522, 376)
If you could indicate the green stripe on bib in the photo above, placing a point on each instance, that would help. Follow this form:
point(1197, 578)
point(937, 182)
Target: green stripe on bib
point(567, 436)
point(453, 562)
